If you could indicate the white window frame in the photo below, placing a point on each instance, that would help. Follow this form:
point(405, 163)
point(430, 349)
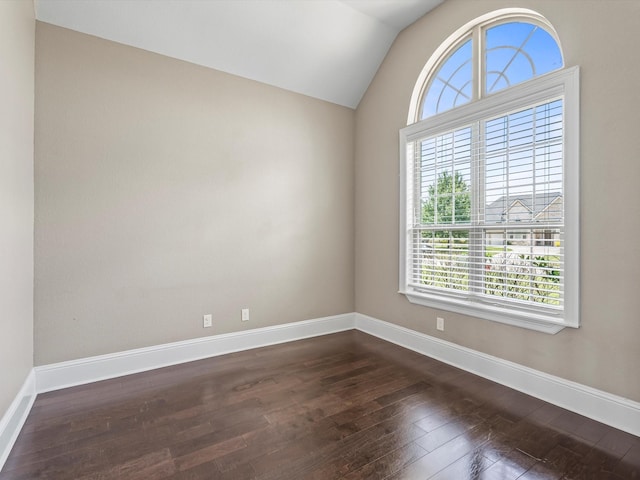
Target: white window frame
point(558, 84)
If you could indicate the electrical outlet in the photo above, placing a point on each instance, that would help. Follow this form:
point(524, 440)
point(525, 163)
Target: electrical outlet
point(207, 320)
point(440, 324)
point(245, 315)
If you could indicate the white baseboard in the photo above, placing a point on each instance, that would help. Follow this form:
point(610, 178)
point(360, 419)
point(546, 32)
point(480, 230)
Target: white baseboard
point(92, 369)
point(598, 405)
point(604, 407)
point(15, 416)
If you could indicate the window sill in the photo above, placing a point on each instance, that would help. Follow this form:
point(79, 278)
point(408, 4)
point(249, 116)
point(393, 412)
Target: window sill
point(530, 321)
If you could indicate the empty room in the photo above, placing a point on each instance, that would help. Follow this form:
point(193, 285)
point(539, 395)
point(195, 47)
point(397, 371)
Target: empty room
point(319, 239)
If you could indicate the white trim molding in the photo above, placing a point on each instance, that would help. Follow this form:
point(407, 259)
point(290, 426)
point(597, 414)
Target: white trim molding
point(92, 369)
point(604, 407)
point(15, 416)
point(612, 410)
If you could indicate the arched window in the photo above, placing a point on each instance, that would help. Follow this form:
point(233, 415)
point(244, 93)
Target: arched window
point(490, 179)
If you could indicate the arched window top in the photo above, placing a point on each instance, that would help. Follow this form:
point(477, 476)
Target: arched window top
point(494, 52)
point(517, 51)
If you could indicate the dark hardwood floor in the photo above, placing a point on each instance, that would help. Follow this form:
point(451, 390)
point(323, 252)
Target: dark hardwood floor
point(346, 405)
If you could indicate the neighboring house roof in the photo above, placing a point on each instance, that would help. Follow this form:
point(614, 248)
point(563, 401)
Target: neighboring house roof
point(522, 207)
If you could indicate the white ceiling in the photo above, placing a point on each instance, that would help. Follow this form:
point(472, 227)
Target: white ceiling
point(327, 49)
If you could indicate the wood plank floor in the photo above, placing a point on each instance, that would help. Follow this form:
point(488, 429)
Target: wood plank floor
point(346, 405)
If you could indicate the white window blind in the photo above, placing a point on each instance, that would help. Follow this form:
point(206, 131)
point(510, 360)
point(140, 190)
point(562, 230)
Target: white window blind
point(490, 201)
point(488, 210)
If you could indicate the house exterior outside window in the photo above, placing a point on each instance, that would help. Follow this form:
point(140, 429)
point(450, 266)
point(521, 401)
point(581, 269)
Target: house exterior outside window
point(490, 178)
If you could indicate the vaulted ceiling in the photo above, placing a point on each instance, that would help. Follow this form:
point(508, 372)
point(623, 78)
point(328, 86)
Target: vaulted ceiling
point(327, 49)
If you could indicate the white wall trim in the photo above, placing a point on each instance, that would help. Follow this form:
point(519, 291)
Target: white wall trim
point(15, 416)
point(598, 405)
point(601, 406)
point(92, 369)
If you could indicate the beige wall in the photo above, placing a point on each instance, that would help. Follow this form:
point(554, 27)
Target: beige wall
point(600, 37)
point(16, 196)
point(165, 191)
